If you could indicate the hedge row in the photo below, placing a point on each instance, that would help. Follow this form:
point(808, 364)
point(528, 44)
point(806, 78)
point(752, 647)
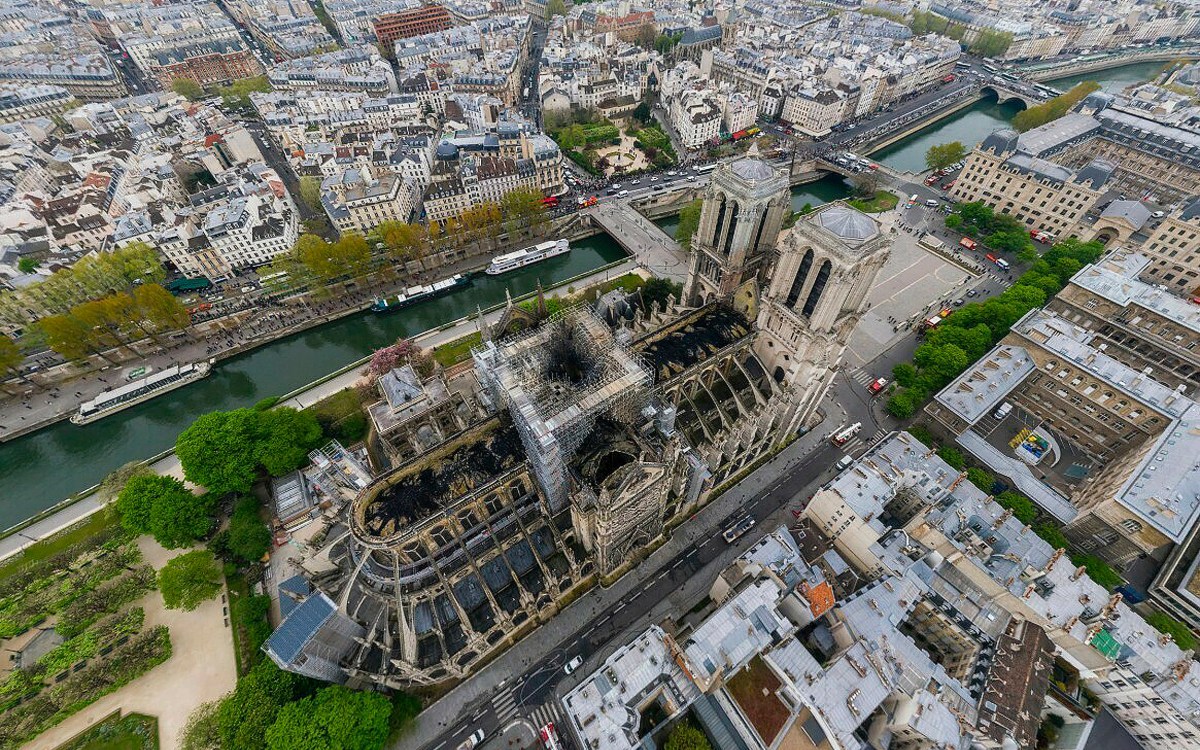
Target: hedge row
point(125, 663)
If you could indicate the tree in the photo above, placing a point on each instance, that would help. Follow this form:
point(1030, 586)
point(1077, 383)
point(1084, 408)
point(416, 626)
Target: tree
point(952, 456)
point(556, 8)
point(904, 374)
point(905, 402)
point(284, 438)
point(248, 538)
point(689, 222)
point(1008, 242)
point(1055, 108)
point(942, 156)
point(953, 221)
point(642, 112)
point(865, 184)
point(390, 357)
point(11, 355)
point(981, 478)
point(1099, 571)
point(237, 94)
point(686, 737)
point(334, 717)
point(219, 451)
point(657, 291)
point(27, 265)
point(310, 192)
point(1022, 507)
point(187, 88)
point(645, 36)
point(189, 579)
point(164, 508)
point(249, 711)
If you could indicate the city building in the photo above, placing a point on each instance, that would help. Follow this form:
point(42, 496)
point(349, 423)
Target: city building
point(355, 69)
point(1057, 177)
point(568, 444)
point(425, 19)
point(1071, 408)
point(358, 200)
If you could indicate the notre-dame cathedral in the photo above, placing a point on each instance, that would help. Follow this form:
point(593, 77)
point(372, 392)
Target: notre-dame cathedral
point(562, 453)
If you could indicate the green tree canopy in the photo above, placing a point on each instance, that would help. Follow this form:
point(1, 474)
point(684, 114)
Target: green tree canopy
point(249, 711)
point(225, 450)
point(219, 451)
point(1022, 507)
point(1099, 571)
point(249, 538)
point(1180, 633)
point(164, 508)
point(687, 737)
point(27, 265)
point(285, 438)
point(943, 155)
point(556, 8)
point(11, 355)
point(188, 88)
point(334, 717)
point(689, 222)
point(310, 192)
point(189, 579)
point(1055, 108)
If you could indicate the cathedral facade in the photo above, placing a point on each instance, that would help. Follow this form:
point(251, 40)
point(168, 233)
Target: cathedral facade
point(572, 443)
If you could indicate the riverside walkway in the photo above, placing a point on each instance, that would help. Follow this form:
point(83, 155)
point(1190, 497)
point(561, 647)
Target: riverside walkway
point(168, 464)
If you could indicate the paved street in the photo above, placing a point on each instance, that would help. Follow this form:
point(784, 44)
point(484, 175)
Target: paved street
point(521, 687)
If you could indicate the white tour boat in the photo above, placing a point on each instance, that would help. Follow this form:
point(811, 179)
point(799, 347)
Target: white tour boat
point(528, 256)
point(137, 391)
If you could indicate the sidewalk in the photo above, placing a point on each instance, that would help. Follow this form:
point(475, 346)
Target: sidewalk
point(169, 464)
point(450, 709)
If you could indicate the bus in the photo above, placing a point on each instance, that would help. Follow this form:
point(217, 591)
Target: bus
point(705, 169)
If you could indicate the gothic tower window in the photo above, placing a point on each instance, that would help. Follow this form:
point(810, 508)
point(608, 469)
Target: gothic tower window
point(818, 286)
point(801, 276)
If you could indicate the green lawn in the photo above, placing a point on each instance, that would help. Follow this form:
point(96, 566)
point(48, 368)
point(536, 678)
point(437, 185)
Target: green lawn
point(51, 546)
point(129, 732)
point(458, 350)
point(881, 201)
point(341, 416)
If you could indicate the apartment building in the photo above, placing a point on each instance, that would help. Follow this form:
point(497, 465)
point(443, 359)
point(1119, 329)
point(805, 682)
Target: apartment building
point(696, 116)
point(915, 514)
point(474, 168)
point(1140, 325)
point(358, 201)
point(359, 68)
point(25, 102)
point(424, 19)
point(207, 63)
point(812, 112)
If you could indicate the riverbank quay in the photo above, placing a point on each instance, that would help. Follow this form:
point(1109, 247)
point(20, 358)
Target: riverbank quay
point(78, 508)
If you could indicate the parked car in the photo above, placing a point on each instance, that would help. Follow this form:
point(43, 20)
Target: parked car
point(572, 665)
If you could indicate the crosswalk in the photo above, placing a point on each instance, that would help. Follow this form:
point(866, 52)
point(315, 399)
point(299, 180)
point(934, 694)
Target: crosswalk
point(505, 704)
point(862, 377)
point(549, 713)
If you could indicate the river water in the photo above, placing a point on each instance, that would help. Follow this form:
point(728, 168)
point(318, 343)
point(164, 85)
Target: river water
point(40, 469)
point(971, 125)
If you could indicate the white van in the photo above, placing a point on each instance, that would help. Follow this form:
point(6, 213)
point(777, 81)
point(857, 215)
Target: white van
point(1003, 411)
point(1002, 263)
point(623, 193)
point(931, 203)
point(845, 463)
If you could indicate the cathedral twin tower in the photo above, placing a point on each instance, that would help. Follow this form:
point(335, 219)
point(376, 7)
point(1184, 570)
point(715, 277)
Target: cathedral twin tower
point(805, 288)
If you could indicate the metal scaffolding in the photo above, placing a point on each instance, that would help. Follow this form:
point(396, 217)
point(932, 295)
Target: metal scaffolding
point(556, 380)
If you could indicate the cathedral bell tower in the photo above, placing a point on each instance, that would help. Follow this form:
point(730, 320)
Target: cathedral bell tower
point(827, 264)
point(745, 204)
